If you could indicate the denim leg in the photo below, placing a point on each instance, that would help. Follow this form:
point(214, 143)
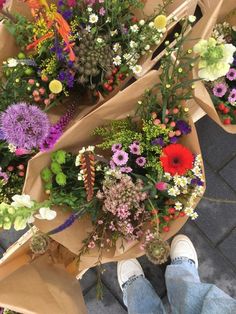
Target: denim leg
point(141, 298)
point(187, 295)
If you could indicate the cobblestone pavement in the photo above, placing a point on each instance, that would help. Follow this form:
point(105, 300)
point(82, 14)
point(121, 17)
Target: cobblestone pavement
point(213, 233)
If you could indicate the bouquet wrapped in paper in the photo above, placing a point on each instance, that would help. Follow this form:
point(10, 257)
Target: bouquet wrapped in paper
point(216, 94)
point(134, 183)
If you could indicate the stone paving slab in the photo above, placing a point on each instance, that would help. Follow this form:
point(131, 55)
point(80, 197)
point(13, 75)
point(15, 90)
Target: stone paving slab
point(218, 146)
point(228, 247)
point(109, 305)
point(216, 219)
point(229, 173)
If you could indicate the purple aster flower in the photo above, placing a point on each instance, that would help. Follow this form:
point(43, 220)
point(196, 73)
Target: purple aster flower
point(120, 157)
point(197, 181)
point(232, 96)
point(126, 169)
point(102, 11)
point(116, 147)
point(173, 139)
point(141, 161)
point(24, 125)
point(231, 75)
point(183, 126)
point(135, 148)
point(158, 141)
point(219, 89)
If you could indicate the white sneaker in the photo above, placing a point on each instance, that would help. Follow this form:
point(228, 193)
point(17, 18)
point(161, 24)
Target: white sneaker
point(127, 269)
point(182, 246)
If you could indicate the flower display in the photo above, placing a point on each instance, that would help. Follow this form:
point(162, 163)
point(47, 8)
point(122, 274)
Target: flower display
point(220, 50)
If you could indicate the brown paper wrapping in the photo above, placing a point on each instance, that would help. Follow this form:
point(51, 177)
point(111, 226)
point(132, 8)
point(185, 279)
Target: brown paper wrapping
point(79, 135)
point(214, 12)
point(45, 285)
point(41, 287)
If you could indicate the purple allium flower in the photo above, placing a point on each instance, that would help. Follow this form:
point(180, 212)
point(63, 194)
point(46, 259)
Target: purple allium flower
point(102, 11)
point(57, 129)
point(24, 126)
point(158, 141)
point(183, 126)
point(126, 169)
point(116, 147)
point(232, 96)
point(173, 139)
point(135, 148)
point(141, 161)
point(231, 75)
point(219, 89)
point(120, 157)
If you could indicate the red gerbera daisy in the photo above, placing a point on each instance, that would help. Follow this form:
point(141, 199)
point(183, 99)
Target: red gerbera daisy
point(177, 159)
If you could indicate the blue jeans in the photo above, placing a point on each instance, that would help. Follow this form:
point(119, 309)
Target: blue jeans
point(186, 294)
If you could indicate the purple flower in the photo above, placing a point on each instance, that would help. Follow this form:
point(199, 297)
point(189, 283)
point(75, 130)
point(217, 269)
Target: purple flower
point(102, 11)
point(183, 126)
point(112, 165)
point(158, 141)
point(24, 126)
point(231, 75)
point(219, 89)
point(57, 129)
point(197, 181)
point(232, 96)
point(126, 169)
point(1, 135)
point(173, 139)
point(116, 147)
point(141, 161)
point(120, 157)
point(135, 148)
point(4, 176)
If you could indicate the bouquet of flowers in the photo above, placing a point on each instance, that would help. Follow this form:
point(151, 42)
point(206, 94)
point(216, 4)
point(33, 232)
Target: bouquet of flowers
point(142, 176)
point(52, 69)
point(217, 67)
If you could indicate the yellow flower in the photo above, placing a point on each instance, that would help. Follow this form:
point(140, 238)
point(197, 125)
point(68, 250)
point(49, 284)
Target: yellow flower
point(160, 22)
point(55, 86)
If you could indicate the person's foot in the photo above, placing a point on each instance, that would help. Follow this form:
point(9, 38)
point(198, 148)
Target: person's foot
point(182, 246)
point(128, 269)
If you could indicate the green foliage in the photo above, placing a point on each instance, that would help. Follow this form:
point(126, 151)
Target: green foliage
point(122, 131)
point(21, 29)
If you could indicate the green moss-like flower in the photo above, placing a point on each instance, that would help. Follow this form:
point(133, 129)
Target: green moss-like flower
point(46, 175)
point(61, 179)
point(56, 167)
point(59, 156)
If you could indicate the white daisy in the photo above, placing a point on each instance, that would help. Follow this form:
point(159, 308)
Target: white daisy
point(137, 69)
point(134, 28)
point(93, 18)
point(117, 60)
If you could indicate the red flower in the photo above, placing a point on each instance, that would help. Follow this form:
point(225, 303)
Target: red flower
point(2, 2)
point(177, 159)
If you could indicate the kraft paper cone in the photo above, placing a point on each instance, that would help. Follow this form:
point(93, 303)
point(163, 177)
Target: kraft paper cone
point(79, 135)
point(40, 288)
point(215, 11)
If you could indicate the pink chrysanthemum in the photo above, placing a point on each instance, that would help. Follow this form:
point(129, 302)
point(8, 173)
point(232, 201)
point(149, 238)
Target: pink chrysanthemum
point(141, 161)
point(219, 90)
point(120, 158)
point(231, 75)
point(135, 148)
